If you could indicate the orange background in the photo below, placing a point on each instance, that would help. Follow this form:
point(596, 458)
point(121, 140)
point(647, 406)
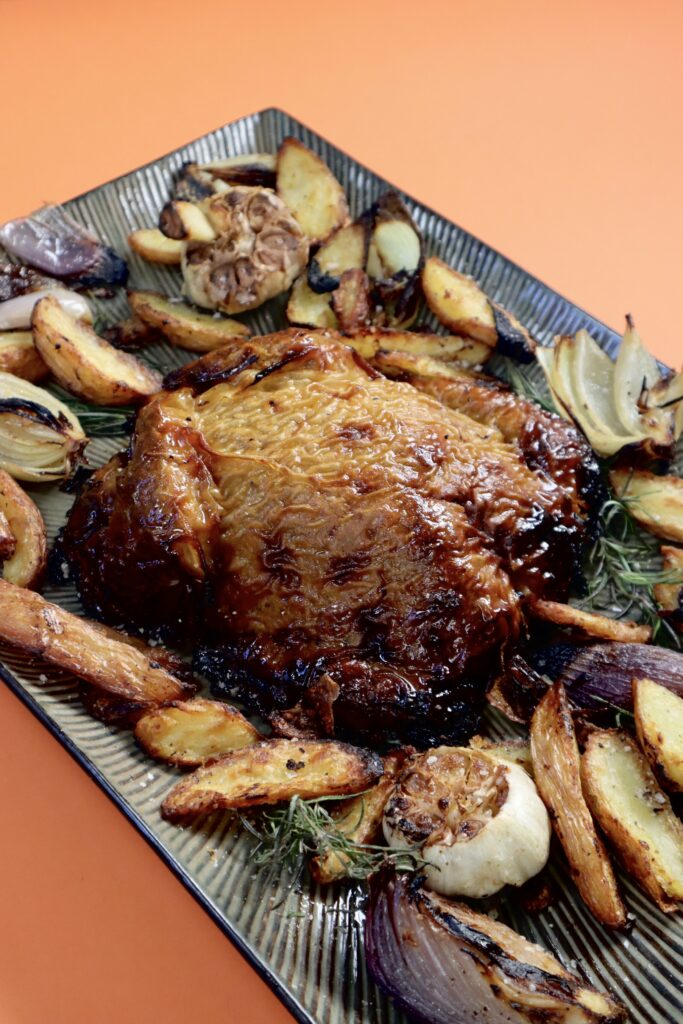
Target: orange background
point(552, 131)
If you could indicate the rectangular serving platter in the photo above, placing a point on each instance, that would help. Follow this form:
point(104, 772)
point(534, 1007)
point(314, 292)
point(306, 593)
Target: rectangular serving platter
point(307, 942)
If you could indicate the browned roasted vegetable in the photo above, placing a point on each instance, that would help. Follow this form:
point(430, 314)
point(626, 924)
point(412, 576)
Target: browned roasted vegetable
point(184, 326)
point(40, 437)
point(634, 814)
point(344, 250)
point(130, 333)
point(185, 221)
point(590, 623)
point(423, 351)
point(18, 355)
point(34, 625)
point(351, 300)
point(656, 502)
point(25, 564)
point(360, 818)
point(87, 365)
point(190, 732)
point(155, 247)
point(557, 770)
point(8, 542)
point(107, 708)
point(516, 751)
point(245, 169)
point(310, 190)
point(394, 261)
point(659, 724)
point(669, 596)
point(271, 772)
point(309, 308)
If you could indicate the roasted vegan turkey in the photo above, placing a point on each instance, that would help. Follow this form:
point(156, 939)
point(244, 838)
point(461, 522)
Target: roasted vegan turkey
point(330, 540)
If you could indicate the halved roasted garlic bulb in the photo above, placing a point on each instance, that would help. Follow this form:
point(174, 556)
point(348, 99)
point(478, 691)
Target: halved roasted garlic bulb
point(478, 821)
point(40, 438)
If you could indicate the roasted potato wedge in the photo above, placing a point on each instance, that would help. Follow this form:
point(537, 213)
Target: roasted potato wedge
point(40, 438)
point(656, 502)
point(309, 308)
point(359, 819)
point(8, 542)
point(25, 565)
point(310, 190)
point(634, 814)
point(460, 305)
point(154, 246)
point(591, 623)
point(659, 726)
point(185, 222)
point(87, 365)
point(184, 326)
point(557, 771)
point(669, 596)
point(667, 393)
point(190, 732)
point(18, 355)
point(515, 751)
point(271, 772)
point(344, 250)
point(351, 300)
point(131, 333)
point(256, 169)
point(34, 625)
point(438, 348)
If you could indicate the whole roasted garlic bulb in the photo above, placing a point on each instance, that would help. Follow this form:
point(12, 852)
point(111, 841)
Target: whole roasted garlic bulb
point(478, 821)
point(259, 251)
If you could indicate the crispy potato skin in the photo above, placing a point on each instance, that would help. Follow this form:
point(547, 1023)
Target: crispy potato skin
point(189, 733)
point(84, 363)
point(38, 627)
point(18, 355)
point(634, 814)
point(351, 300)
point(557, 771)
point(657, 500)
point(310, 190)
point(360, 817)
point(25, 566)
point(659, 726)
point(310, 308)
point(272, 772)
point(457, 302)
point(591, 624)
point(8, 542)
point(376, 343)
point(155, 247)
point(183, 326)
point(669, 596)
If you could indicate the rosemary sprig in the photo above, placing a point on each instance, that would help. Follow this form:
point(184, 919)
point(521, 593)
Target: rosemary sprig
point(524, 384)
point(288, 835)
point(98, 420)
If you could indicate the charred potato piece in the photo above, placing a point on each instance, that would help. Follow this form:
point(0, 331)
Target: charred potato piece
point(310, 190)
point(359, 819)
point(669, 596)
point(557, 771)
point(271, 772)
point(256, 169)
point(309, 308)
point(8, 542)
point(394, 261)
point(351, 300)
point(185, 221)
point(130, 333)
point(155, 247)
point(34, 625)
point(18, 355)
point(184, 326)
point(417, 345)
point(107, 708)
point(659, 727)
point(656, 502)
point(460, 305)
point(345, 250)
point(87, 365)
point(634, 814)
point(25, 564)
point(590, 623)
point(515, 751)
point(40, 438)
point(189, 733)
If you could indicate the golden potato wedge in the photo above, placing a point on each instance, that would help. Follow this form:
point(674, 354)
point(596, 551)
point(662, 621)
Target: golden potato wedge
point(359, 818)
point(154, 246)
point(18, 355)
point(515, 751)
point(184, 326)
point(130, 333)
point(34, 625)
point(417, 344)
point(659, 726)
point(591, 623)
point(87, 365)
point(557, 771)
point(25, 566)
point(344, 250)
point(188, 733)
point(656, 502)
point(351, 300)
point(185, 221)
point(310, 190)
point(669, 596)
point(309, 308)
point(8, 542)
point(271, 772)
point(634, 814)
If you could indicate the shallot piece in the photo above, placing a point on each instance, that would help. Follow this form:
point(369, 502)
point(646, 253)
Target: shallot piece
point(15, 314)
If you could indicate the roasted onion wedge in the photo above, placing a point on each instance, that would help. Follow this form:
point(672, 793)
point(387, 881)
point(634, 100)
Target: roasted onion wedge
point(309, 188)
point(26, 564)
point(271, 772)
point(656, 502)
point(155, 247)
point(443, 963)
point(557, 770)
point(634, 814)
point(34, 625)
point(189, 733)
point(591, 624)
point(18, 355)
point(87, 365)
point(40, 438)
point(184, 326)
point(659, 725)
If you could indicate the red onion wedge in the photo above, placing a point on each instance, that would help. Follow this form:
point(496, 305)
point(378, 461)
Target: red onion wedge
point(446, 964)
